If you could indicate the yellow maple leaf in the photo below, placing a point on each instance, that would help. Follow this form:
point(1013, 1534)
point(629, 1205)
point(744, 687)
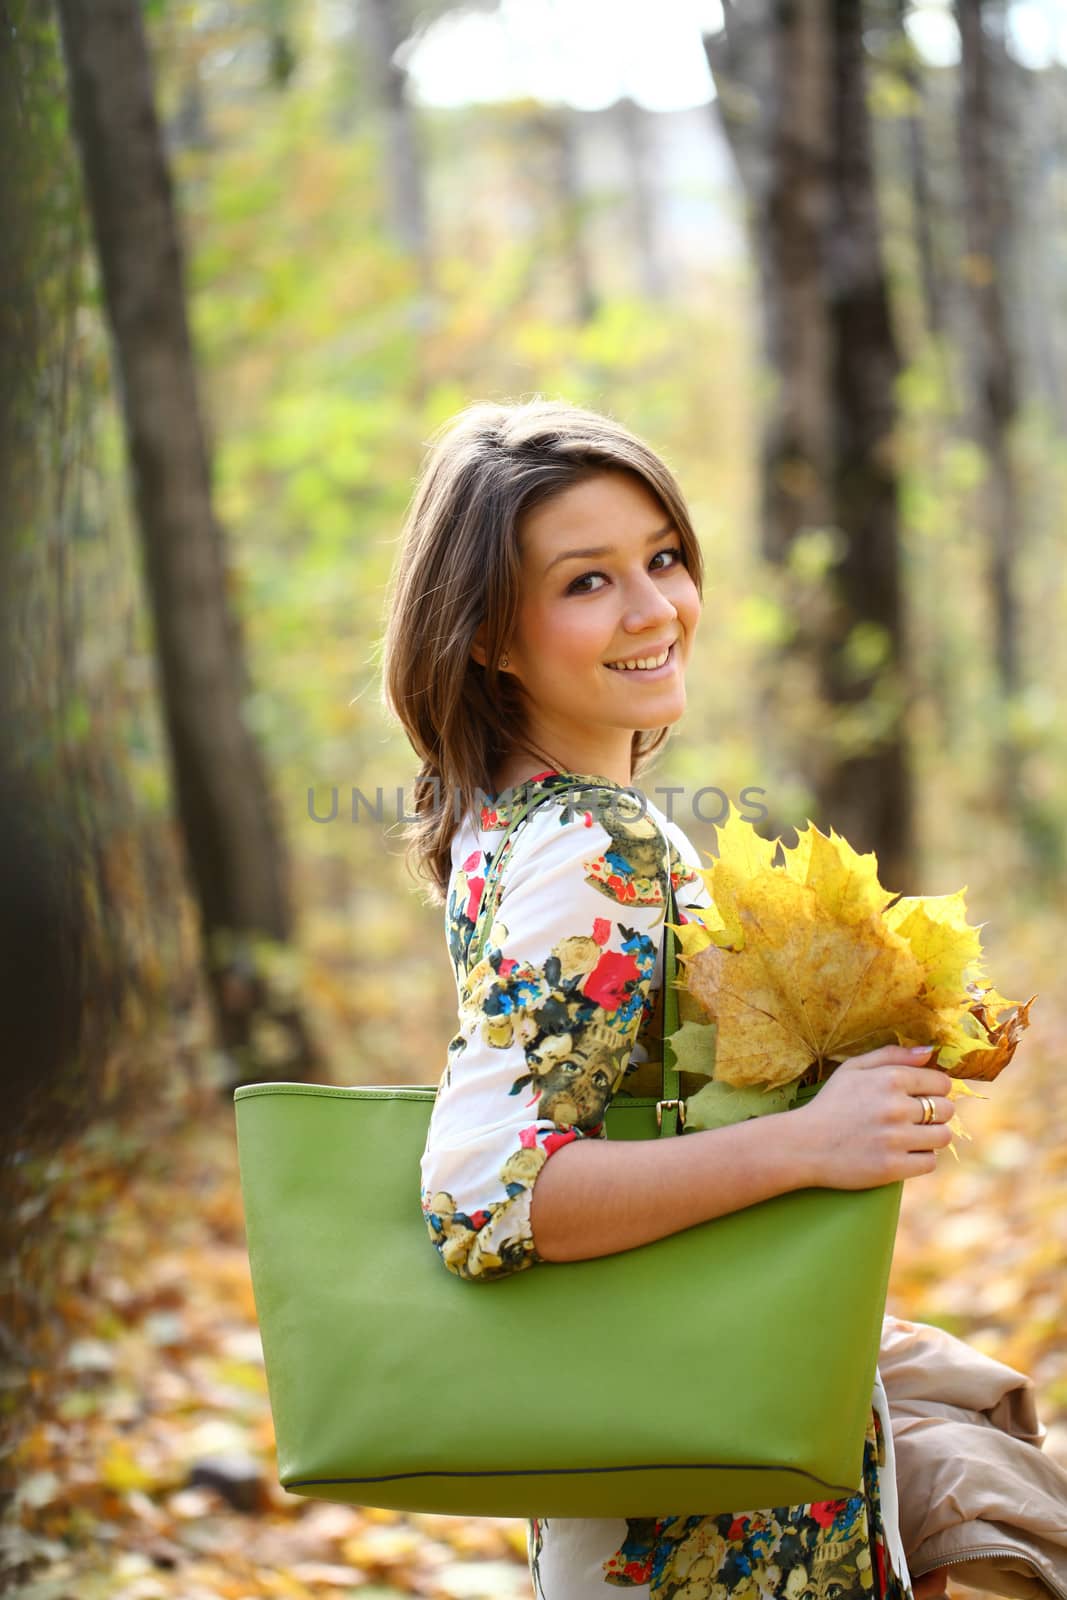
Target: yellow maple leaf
point(845, 880)
point(938, 931)
point(803, 964)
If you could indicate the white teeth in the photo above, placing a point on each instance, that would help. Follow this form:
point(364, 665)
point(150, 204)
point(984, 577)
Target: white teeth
point(642, 664)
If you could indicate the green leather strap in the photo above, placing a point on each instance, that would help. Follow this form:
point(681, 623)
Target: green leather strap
point(672, 1083)
point(491, 890)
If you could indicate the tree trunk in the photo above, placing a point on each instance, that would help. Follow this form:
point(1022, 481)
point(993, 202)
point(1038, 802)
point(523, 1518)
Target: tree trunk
point(769, 72)
point(918, 165)
point(559, 127)
point(382, 36)
point(1038, 287)
point(869, 790)
point(234, 849)
point(988, 218)
point(281, 52)
point(791, 94)
point(642, 208)
point(988, 127)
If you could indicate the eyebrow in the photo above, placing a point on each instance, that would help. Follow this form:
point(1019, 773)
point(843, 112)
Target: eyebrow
point(604, 549)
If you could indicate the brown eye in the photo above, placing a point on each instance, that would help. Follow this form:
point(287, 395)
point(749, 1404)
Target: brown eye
point(572, 588)
point(678, 554)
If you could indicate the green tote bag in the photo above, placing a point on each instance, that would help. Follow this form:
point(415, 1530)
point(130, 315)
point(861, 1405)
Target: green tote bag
point(727, 1367)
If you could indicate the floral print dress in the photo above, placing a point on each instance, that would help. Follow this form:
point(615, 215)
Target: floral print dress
point(561, 1014)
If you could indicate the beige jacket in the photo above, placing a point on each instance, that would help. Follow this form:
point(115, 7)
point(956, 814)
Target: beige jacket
point(976, 1493)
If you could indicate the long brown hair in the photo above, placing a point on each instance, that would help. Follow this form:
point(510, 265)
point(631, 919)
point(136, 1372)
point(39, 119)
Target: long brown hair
point(458, 567)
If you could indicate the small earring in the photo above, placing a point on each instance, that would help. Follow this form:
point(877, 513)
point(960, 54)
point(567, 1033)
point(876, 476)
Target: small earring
point(503, 661)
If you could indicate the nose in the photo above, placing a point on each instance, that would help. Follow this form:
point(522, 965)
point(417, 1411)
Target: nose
point(647, 604)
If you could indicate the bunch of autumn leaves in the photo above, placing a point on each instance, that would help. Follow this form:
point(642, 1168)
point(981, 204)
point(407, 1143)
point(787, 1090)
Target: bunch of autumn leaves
point(800, 965)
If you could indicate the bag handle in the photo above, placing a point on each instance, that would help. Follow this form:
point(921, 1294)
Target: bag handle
point(670, 1105)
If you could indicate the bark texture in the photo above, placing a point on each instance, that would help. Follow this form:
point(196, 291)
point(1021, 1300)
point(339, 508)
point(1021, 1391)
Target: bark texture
point(233, 844)
point(983, 130)
point(791, 83)
point(382, 31)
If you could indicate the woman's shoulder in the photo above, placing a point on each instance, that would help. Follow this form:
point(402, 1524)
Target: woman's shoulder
point(612, 837)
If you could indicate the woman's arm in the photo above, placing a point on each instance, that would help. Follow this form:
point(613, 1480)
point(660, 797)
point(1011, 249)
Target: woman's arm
point(596, 1197)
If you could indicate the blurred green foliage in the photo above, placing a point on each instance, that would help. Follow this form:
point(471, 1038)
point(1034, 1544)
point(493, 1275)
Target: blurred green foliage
point(326, 363)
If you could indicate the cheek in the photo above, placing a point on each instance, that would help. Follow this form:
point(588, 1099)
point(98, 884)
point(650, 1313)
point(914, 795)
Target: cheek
point(567, 634)
point(687, 600)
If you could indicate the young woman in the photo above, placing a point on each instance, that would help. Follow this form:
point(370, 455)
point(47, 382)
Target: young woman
point(543, 612)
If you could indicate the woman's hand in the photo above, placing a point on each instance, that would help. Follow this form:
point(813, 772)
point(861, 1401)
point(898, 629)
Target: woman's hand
point(864, 1127)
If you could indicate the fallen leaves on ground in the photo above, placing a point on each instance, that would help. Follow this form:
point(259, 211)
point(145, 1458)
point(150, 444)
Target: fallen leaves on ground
point(149, 1472)
point(982, 1245)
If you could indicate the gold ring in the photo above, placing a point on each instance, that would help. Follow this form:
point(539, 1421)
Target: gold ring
point(929, 1110)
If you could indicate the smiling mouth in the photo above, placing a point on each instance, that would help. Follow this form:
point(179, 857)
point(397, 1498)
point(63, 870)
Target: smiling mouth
point(650, 663)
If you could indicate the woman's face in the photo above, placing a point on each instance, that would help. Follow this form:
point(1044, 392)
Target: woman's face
point(603, 583)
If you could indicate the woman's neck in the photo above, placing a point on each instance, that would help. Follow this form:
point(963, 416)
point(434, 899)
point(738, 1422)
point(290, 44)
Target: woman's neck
point(545, 754)
point(512, 773)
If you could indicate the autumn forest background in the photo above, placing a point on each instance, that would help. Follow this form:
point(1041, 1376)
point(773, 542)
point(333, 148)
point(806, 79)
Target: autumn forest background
point(254, 252)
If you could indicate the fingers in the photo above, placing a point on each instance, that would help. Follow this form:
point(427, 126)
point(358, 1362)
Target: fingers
point(927, 1080)
point(888, 1106)
point(943, 1109)
point(913, 1079)
point(891, 1054)
point(929, 1139)
point(921, 1080)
